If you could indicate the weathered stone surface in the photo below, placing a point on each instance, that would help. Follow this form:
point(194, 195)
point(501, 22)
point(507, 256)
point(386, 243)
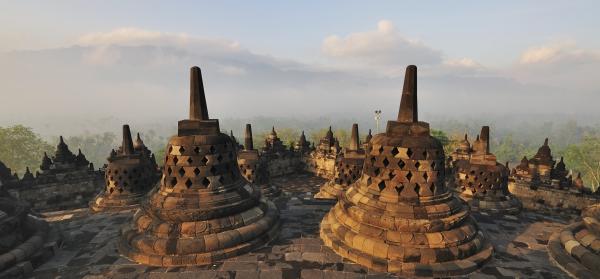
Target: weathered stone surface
point(549, 199)
point(22, 238)
point(203, 211)
point(399, 216)
point(576, 249)
point(480, 179)
point(322, 160)
point(348, 169)
point(89, 248)
point(130, 174)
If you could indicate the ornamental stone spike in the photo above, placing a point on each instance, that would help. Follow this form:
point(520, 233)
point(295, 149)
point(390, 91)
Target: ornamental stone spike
point(198, 107)
point(485, 138)
point(248, 142)
point(408, 103)
point(354, 138)
point(127, 141)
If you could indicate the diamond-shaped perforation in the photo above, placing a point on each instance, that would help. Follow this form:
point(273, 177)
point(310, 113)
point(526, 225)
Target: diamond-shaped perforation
point(181, 150)
point(401, 164)
point(417, 164)
point(197, 171)
point(173, 181)
point(385, 162)
point(175, 160)
point(197, 149)
point(433, 165)
point(204, 161)
point(188, 183)
point(395, 151)
point(409, 175)
point(181, 172)
point(380, 150)
point(409, 152)
point(432, 188)
point(399, 188)
point(212, 149)
point(205, 182)
point(381, 185)
point(221, 180)
point(425, 176)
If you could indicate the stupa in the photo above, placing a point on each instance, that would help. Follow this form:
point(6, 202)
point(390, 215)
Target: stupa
point(399, 217)
point(128, 176)
point(348, 169)
point(576, 249)
point(367, 140)
point(203, 211)
point(22, 236)
point(254, 168)
point(302, 146)
point(323, 158)
point(482, 181)
point(279, 160)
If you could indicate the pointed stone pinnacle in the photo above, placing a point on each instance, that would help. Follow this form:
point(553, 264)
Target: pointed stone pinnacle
point(408, 102)
point(198, 107)
point(127, 141)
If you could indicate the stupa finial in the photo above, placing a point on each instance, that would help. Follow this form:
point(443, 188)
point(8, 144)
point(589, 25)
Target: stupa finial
point(408, 103)
point(198, 108)
point(485, 138)
point(354, 138)
point(127, 142)
point(248, 142)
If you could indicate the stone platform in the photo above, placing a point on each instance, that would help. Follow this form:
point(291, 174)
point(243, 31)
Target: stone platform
point(89, 245)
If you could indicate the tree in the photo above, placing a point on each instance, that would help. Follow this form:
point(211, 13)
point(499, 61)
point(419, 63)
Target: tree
point(448, 143)
point(95, 147)
point(20, 147)
point(584, 157)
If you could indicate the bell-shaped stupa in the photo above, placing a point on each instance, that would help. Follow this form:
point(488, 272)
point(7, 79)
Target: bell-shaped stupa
point(483, 182)
point(203, 211)
point(399, 216)
point(254, 167)
point(130, 174)
point(348, 169)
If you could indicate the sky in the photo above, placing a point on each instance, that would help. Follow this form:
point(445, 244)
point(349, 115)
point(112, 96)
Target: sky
point(80, 60)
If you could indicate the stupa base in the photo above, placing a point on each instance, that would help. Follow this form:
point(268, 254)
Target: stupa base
point(104, 204)
point(329, 191)
point(509, 206)
point(20, 261)
point(381, 264)
point(571, 250)
point(150, 249)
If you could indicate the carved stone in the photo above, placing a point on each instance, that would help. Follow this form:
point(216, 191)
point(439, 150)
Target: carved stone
point(203, 211)
point(348, 169)
point(399, 216)
point(254, 167)
point(130, 174)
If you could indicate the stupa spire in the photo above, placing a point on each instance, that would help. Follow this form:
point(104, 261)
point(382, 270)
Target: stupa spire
point(127, 144)
point(408, 103)
point(248, 142)
point(354, 138)
point(198, 107)
point(485, 138)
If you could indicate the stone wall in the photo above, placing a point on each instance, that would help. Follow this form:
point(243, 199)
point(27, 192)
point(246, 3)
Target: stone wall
point(64, 193)
point(282, 165)
point(546, 199)
point(323, 166)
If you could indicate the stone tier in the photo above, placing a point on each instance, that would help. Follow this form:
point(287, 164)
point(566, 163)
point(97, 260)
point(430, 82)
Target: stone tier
point(347, 171)
point(22, 239)
point(576, 249)
point(203, 211)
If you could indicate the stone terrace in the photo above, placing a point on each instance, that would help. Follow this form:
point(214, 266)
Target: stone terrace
point(89, 245)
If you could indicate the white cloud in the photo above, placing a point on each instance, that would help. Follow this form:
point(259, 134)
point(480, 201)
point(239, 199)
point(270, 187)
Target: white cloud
point(558, 53)
point(383, 46)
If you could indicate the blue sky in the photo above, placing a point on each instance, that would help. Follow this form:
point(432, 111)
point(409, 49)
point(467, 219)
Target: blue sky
point(491, 32)
point(481, 56)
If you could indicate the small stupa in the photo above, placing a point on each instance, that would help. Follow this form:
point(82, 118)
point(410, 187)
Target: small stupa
point(348, 169)
point(130, 174)
point(203, 210)
point(399, 216)
point(254, 167)
point(482, 181)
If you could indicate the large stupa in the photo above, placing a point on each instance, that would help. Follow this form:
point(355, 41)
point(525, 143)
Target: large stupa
point(203, 211)
point(399, 216)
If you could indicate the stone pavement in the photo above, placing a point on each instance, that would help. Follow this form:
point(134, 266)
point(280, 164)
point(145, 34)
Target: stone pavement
point(89, 245)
